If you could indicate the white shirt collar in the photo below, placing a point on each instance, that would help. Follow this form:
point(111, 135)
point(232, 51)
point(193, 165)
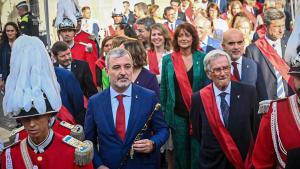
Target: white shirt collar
point(239, 61)
point(114, 94)
point(218, 91)
point(68, 67)
point(271, 42)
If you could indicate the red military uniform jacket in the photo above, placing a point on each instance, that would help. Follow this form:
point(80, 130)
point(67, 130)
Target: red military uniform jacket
point(80, 52)
point(56, 155)
point(278, 133)
point(85, 37)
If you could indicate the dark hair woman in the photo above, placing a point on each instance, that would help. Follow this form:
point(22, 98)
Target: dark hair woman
point(10, 33)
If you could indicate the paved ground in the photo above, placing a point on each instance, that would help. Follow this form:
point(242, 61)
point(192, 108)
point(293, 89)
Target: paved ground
point(6, 124)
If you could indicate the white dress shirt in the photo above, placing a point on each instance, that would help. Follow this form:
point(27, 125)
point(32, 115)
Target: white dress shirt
point(218, 98)
point(67, 68)
point(276, 45)
point(239, 66)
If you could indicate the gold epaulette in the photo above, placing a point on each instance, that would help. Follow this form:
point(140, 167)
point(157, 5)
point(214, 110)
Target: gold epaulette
point(84, 151)
point(76, 130)
point(265, 104)
point(12, 144)
point(13, 133)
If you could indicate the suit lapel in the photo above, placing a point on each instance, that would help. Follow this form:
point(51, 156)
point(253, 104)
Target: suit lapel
point(245, 69)
point(134, 110)
point(74, 67)
point(235, 96)
point(108, 114)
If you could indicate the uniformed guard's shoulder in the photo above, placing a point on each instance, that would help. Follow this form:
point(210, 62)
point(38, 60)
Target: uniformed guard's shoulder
point(265, 105)
point(76, 131)
point(12, 145)
point(281, 99)
point(84, 151)
point(16, 130)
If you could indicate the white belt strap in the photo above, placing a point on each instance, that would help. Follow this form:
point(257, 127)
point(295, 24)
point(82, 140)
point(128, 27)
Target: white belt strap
point(25, 155)
point(9, 164)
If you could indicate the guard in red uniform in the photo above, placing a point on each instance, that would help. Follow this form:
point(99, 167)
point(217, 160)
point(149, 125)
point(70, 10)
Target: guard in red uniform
point(32, 96)
point(279, 132)
point(84, 37)
point(80, 50)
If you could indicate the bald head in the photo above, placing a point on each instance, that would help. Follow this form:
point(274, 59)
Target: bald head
point(231, 32)
point(233, 43)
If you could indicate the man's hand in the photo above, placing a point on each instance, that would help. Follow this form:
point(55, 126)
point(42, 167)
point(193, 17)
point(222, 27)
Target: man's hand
point(102, 167)
point(143, 146)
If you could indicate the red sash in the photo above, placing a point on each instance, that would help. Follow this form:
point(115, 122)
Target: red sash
point(182, 78)
point(153, 63)
point(169, 30)
point(261, 30)
point(100, 63)
point(270, 53)
point(224, 139)
point(65, 115)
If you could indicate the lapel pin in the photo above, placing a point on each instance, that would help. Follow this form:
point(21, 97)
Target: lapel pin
point(247, 66)
point(238, 96)
point(136, 96)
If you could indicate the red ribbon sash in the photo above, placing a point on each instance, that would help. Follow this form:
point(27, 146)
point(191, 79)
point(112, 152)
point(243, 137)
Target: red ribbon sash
point(153, 62)
point(182, 78)
point(225, 140)
point(169, 30)
point(100, 62)
point(270, 53)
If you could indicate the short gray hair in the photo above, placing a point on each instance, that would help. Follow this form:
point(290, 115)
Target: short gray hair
point(212, 55)
point(273, 14)
point(116, 53)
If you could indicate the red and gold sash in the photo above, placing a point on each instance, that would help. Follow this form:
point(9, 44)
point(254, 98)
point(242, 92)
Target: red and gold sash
point(182, 78)
point(153, 62)
point(220, 132)
point(270, 53)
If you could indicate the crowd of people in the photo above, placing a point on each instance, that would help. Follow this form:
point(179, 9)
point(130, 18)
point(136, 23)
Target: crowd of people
point(207, 85)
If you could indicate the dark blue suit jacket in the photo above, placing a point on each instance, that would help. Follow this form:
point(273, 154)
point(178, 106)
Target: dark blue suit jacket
point(100, 128)
point(251, 75)
point(71, 94)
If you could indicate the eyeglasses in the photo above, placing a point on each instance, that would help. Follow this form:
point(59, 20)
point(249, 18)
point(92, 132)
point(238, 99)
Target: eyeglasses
point(218, 70)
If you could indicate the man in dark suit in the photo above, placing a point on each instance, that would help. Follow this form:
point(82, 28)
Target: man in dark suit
point(268, 52)
point(178, 14)
point(223, 116)
point(172, 22)
point(80, 69)
point(117, 115)
point(71, 94)
point(243, 69)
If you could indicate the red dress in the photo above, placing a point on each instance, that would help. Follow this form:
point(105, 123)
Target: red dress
point(280, 126)
point(57, 155)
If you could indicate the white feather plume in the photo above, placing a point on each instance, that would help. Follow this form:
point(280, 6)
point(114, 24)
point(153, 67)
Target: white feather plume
point(66, 9)
point(31, 78)
point(294, 39)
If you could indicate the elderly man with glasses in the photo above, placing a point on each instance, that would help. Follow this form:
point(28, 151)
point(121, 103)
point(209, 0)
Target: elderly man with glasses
point(223, 116)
